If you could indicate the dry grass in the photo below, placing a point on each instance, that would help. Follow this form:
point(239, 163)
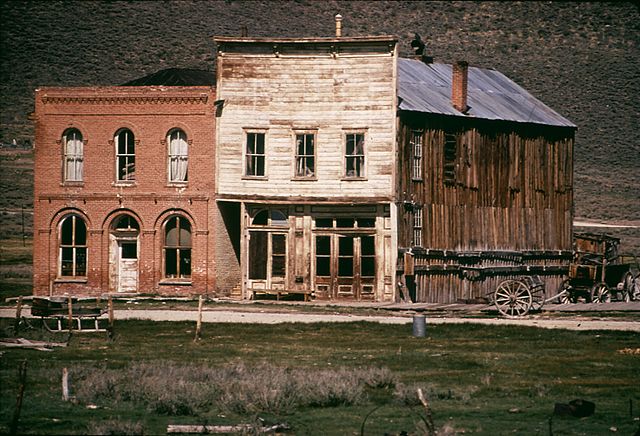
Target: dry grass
point(169, 389)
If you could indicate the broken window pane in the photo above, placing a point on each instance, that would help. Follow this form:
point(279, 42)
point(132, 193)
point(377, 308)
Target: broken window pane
point(125, 156)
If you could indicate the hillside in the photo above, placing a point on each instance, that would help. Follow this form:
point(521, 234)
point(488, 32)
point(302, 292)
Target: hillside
point(581, 59)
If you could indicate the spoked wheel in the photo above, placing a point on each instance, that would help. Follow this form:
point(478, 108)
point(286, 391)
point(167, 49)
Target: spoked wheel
point(513, 298)
point(600, 293)
point(564, 296)
point(627, 291)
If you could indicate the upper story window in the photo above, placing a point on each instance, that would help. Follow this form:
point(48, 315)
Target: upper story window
point(178, 156)
point(73, 155)
point(450, 156)
point(73, 247)
point(125, 155)
point(354, 159)
point(416, 151)
point(255, 154)
point(177, 248)
point(305, 155)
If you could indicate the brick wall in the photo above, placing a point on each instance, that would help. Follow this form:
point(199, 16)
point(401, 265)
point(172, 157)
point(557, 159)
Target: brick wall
point(98, 113)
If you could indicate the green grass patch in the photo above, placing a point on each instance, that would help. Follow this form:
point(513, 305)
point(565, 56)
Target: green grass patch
point(325, 379)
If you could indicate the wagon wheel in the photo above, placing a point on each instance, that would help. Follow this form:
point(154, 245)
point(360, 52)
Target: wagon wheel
point(513, 298)
point(564, 296)
point(600, 293)
point(628, 284)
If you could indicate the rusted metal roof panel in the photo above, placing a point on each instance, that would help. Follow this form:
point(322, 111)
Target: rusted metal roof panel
point(491, 95)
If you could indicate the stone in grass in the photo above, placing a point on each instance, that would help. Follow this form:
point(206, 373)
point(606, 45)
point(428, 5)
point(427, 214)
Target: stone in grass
point(578, 408)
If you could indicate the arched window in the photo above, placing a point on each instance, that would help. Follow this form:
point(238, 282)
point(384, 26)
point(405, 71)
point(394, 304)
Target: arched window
point(126, 223)
point(177, 248)
point(125, 155)
point(178, 156)
point(73, 247)
point(270, 217)
point(73, 155)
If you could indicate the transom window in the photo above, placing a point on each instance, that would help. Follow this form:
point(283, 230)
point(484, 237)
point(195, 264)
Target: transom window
point(177, 248)
point(73, 247)
point(270, 217)
point(255, 154)
point(354, 155)
point(345, 223)
point(305, 155)
point(416, 147)
point(178, 156)
point(73, 155)
point(125, 155)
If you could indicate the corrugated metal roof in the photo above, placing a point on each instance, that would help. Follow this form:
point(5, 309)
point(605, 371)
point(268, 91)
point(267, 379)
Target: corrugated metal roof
point(490, 95)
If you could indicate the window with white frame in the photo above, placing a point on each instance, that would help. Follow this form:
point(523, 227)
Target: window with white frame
point(417, 227)
point(125, 155)
point(305, 155)
point(178, 156)
point(73, 155)
point(177, 248)
point(416, 148)
point(255, 154)
point(354, 158)
point(73, 247)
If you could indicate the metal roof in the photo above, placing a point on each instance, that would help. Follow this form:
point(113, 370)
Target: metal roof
point(490, 95)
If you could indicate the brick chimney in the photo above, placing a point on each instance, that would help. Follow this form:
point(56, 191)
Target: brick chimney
point(459, 86)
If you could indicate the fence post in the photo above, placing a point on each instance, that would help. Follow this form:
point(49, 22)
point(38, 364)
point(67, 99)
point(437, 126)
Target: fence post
point(70, 304)
point(199, 322)
point(16, 325)
point(22, 378)
point(110, 310)
point(65, 384)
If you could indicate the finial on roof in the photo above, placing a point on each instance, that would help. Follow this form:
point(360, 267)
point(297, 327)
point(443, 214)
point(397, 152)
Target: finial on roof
point(338, 25)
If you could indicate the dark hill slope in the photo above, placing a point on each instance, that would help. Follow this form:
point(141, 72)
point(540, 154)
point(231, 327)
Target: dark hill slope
point(581, 59)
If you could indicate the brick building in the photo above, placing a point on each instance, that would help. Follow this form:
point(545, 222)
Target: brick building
point(123, 190)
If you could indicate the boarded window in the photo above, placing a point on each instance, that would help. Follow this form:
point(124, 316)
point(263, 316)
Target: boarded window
point(354, 155)
point(305, 155)
point(73, 247)
point(73, 155)
point(177, 248)
point(255, 155)
point(125, 155)
point(449, 158)
point(178, 156)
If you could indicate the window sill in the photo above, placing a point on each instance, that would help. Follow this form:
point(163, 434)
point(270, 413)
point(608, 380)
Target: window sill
point(72, 183)
point(175, 282)
point(305, 179)
point(353, 179)
point(177, 184)
point(124, 183)
point(255, 178)
point(70, 280)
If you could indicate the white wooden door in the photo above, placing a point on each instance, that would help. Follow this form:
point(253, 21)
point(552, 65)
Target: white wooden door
point(127, 266)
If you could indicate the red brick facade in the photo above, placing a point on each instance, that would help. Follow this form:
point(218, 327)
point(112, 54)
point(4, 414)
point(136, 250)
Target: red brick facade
point(81, 245)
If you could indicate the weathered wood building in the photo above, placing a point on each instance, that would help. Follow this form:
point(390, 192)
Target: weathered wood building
point(305, 146)
point(485, 187)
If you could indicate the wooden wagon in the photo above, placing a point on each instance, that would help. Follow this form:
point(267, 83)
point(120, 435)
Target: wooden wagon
point(596, 274)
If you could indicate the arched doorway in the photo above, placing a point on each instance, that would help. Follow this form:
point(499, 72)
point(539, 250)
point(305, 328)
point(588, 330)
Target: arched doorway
point(124, 236)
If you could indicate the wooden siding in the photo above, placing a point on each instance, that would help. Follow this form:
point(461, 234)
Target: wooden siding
point(510, 190)
point(308, 89)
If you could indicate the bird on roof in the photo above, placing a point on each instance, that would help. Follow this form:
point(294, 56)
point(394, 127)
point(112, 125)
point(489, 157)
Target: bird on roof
point(418, 45)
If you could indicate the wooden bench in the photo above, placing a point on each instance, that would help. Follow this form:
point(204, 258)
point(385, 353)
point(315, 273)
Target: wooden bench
point(306, 293)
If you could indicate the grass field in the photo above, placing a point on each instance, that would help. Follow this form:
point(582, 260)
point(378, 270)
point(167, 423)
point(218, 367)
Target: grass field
point(326, 378)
